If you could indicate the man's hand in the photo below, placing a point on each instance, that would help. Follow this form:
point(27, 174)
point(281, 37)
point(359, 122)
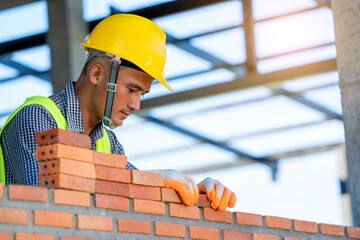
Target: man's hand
point(219, 196)
point(184, 185)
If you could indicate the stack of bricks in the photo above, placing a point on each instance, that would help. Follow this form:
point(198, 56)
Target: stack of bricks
point(132, 206)
point(65, 160)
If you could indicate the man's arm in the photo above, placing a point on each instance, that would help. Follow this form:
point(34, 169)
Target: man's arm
point(19, 145)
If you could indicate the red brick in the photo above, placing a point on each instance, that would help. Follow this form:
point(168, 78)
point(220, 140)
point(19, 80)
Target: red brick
point(112, 202)
point(151, 207)
point(29, 236)
point(67, 166)
point(65, 181)
point(144, 192)
point(110, 160)
point(217, 216)
point(304, 226)
point(277, 222)
point(183, 211)
point(170, 195)
point(134, 226)
point(55, 151)
point(54, 219)
point(147, 178)
point(232, 234)
point(334, 230)
point(353, 232)
point(294, 238)
point(14, 216)
point(112, 188)
point(203, 201)
point(248, 219)
point(1, 189)
point(92, 222)
point(58, 135)
point(203, 233)
point(170, 229)
point(27, 193)
point(76, 238)
point(4, 236)
point(263, 236)
point(112, 174)
point(74, 198)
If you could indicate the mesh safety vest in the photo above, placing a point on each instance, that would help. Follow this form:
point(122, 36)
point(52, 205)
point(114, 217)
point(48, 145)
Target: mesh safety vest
point(102, 145)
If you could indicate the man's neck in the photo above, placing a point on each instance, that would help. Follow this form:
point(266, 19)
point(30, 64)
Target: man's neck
point(89, 119)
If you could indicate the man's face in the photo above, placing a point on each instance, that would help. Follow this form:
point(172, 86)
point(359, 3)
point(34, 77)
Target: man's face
point(130, 86)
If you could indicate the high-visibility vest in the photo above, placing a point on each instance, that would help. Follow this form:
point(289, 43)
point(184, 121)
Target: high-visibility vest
point(102, 145)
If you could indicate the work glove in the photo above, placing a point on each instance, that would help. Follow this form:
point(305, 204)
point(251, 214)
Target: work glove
point(184, 185)
point(219, 196)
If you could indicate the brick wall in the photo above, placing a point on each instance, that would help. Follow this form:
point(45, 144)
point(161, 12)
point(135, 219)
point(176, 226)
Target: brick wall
point(38, 213)
point(85, 195)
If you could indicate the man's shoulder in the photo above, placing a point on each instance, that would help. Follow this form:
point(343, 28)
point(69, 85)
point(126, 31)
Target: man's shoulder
point(32, 115)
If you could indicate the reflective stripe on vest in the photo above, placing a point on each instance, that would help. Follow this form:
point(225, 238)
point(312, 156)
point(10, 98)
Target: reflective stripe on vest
point(102, 145)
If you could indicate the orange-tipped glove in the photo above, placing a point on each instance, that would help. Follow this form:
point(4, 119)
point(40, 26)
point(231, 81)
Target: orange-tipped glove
point(184, 185)
point(219, 196)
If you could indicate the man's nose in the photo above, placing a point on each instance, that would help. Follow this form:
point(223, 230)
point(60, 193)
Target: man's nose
point(134, 103)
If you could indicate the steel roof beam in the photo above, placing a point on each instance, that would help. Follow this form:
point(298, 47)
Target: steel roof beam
point(248, 81)
point(14, 3)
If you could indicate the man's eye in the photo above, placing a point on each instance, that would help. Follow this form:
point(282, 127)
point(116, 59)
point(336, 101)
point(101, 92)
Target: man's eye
point(132, 90)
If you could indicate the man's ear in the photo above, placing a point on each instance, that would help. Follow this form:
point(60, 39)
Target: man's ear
point(95, 73)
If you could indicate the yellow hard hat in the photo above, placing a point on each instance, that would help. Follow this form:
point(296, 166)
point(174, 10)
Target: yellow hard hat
point(133, 38)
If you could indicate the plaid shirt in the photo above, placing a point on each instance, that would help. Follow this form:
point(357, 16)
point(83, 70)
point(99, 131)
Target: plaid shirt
point(18, 139)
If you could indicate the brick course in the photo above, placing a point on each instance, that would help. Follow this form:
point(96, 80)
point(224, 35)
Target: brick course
point(112, 202)
point(112, 188)
point(51, 218)
point(14, 216)
point(110, 160)
point(55, 151)
point(58, 135)
point(134, 226)
point(67, 166)
point(304, 226)
point(170, 229)
point(182, 211)
point(92, 222)
point(29, 236)
point(217, 216)
point(147, 206)
point(27, 193)
point(89, 216)
point(74, 198)
point(147, 178)
point(203, 233)
point(333, 230)
point(233, 234)
point(248, 219)
point(277, 222)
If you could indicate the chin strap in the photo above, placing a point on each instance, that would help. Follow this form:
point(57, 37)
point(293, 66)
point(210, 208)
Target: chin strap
point(111, 89)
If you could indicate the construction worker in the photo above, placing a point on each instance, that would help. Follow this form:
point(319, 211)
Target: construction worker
point(125, 54)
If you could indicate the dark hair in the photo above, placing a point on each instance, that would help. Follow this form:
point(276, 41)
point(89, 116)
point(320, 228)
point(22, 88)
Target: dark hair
point(94, 60)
